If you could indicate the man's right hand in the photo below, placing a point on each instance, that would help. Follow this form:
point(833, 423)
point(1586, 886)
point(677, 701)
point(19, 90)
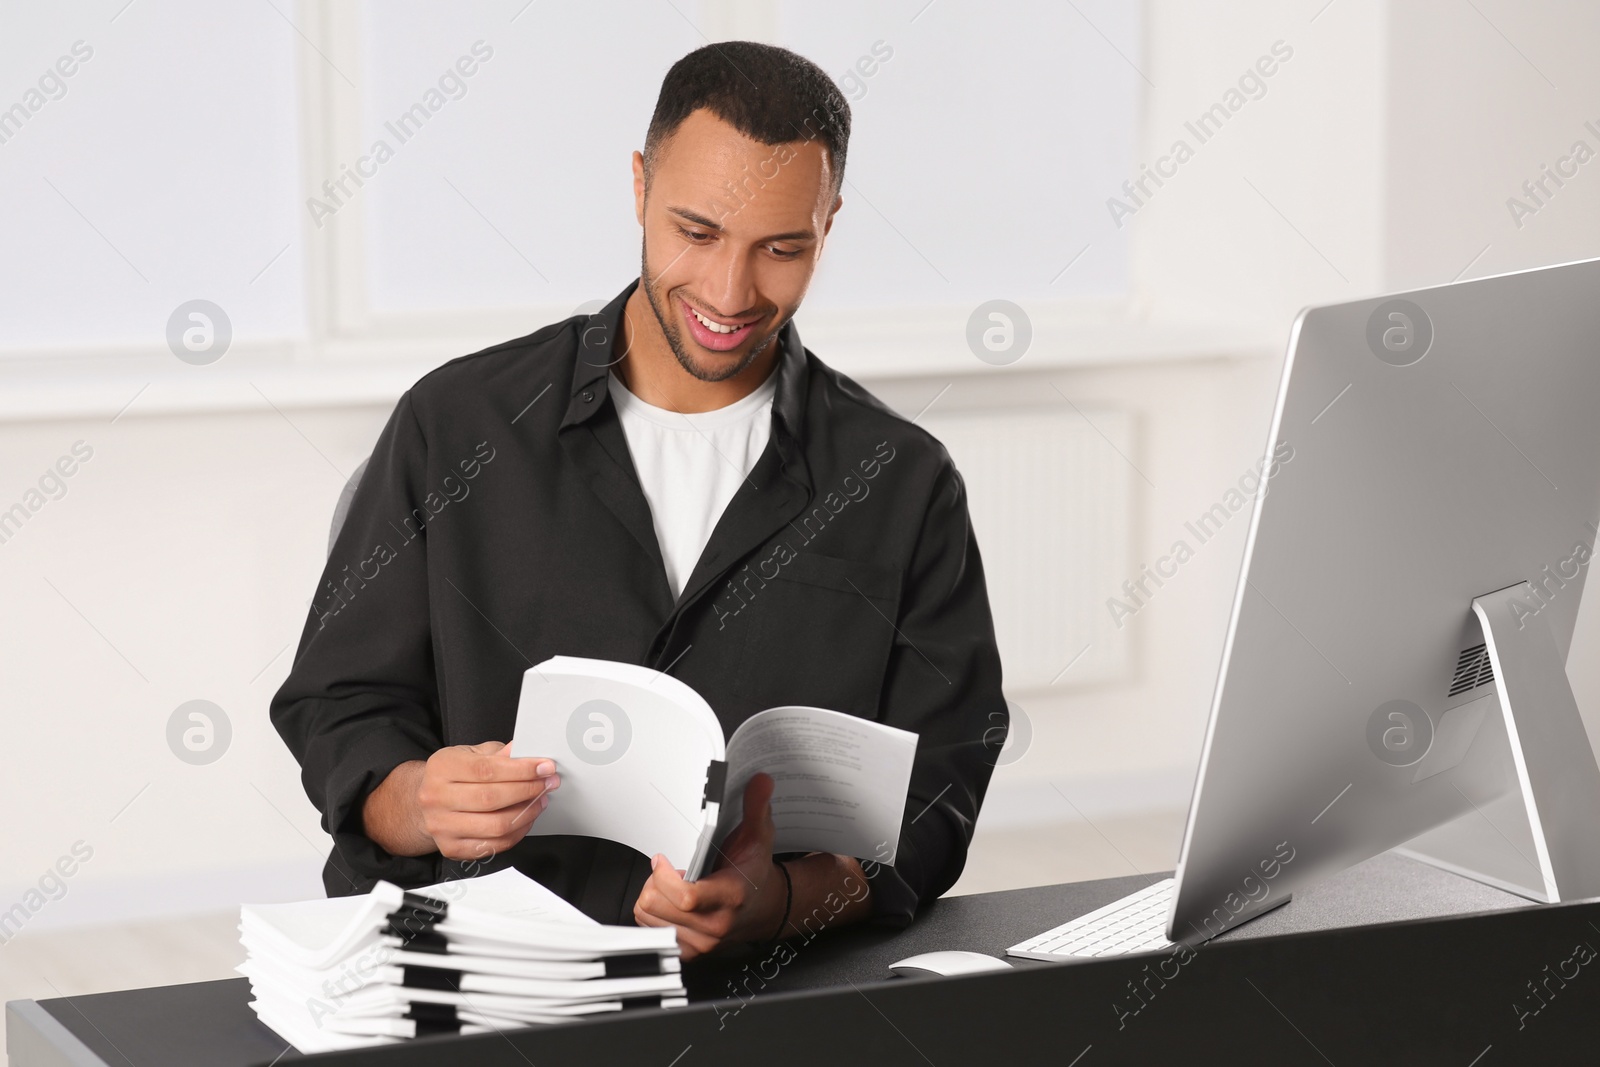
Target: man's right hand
point(468, 802)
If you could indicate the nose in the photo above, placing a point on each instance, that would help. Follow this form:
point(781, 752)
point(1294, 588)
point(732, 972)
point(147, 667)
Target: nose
point(732, 288)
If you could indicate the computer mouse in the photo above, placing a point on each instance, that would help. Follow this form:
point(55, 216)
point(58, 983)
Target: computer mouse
point(949, 962)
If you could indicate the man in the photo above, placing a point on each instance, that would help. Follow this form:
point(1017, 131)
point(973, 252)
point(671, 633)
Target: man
point(673, 481)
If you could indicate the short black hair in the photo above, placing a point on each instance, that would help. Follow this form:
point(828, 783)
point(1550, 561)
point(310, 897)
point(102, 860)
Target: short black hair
point(767, 93)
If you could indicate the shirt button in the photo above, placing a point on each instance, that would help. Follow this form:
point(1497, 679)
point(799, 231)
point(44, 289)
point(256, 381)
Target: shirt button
point(588, 395)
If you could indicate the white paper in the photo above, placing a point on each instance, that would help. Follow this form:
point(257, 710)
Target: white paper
point(318, 932)
point(517, 966)
point(840, 781)
point(387, 979)
point(326, 974)
point(510, 893)
point(632, 746)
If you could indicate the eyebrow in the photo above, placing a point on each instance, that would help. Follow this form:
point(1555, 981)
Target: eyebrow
point(700, 220)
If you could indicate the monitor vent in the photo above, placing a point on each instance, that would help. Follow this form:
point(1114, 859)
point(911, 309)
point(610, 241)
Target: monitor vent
point(1472, 669)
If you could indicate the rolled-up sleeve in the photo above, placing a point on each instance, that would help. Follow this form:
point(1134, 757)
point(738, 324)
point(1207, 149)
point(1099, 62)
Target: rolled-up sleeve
point(361, 697)
point(943, 683)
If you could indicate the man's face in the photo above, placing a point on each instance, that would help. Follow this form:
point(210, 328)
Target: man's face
point(733, 229)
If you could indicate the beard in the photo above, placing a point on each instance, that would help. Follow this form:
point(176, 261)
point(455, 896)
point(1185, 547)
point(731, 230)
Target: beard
point(674, 336)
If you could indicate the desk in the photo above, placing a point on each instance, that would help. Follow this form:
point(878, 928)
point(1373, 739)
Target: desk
point(1298, 985)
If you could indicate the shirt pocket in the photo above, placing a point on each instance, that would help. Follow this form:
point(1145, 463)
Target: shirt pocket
point(819, 634)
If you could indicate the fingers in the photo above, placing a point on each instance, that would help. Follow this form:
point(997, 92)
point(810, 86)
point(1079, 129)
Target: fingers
point(476, 800)
point(691, 943)
point(494, 796)
point(468, 834)
point(709, 929)
point(488, 824)
point(490, 761)
point(758, 798)
point(644, 918)
point(674, 891)
point(702, 905)
point(705, 913)
point(463, 832)
point(477, 849)
point(740, 848)
point(751, 840)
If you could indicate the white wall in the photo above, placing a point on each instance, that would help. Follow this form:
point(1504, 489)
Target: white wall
point(1380, 156)
point(176, 567)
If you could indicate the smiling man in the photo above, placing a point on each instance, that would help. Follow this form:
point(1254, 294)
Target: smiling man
point(674, 481)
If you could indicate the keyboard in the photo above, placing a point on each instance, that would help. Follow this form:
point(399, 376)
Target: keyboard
point(1136, 923)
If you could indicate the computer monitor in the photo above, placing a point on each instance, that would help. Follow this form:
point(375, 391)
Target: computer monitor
point(1395, 658)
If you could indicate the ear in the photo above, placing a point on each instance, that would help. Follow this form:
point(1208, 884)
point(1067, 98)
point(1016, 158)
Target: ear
point(827, 224)
point(638, 187)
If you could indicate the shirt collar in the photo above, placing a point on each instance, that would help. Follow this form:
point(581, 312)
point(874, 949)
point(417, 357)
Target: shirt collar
point(598, 334)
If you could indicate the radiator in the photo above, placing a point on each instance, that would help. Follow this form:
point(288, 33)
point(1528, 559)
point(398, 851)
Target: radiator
point(1051, 493)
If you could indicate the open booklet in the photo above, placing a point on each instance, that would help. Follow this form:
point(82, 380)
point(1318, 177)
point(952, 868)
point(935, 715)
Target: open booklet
point(643, 761)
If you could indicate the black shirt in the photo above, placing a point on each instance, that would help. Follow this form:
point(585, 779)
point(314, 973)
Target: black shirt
point(500, 522)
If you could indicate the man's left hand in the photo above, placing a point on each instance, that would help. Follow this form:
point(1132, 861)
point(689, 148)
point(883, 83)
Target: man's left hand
point(741, 900)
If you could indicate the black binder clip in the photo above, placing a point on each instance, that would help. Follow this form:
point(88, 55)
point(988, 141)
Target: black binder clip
point(716, 783)
point(414, 920)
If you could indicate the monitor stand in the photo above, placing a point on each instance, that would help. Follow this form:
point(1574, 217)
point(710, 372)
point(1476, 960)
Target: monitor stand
point(1557, 782)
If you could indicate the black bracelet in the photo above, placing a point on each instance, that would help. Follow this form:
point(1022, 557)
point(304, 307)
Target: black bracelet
point(788, 902)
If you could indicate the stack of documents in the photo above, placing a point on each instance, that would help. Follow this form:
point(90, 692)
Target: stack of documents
point(466, 956)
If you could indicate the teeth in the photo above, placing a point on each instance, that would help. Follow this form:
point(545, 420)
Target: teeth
point(714, 327)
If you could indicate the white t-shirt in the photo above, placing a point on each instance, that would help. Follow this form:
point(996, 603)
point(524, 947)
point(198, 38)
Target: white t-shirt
point(690, 465)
